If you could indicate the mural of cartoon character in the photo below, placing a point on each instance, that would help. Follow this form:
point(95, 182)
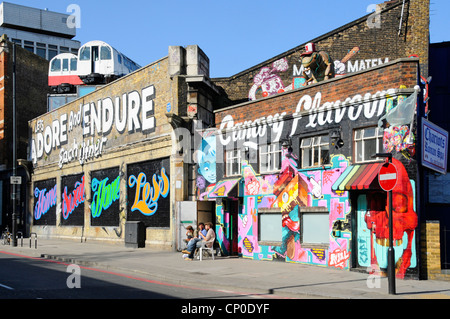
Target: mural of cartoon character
point(268, 80)
point(320, 65)
point(206, 159)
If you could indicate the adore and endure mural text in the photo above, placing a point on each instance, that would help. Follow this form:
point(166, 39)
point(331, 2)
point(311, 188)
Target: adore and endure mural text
point(81, 134)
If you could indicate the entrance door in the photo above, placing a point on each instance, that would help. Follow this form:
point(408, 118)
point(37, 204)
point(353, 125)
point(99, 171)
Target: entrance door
point(233, 210)
point(363, 234)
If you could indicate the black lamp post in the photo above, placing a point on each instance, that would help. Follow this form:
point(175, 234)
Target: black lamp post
point(14, 142)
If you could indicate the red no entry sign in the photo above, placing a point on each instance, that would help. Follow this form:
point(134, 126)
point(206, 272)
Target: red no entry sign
point(387, 177)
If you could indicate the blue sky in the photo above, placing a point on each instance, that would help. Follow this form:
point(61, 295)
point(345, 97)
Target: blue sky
point(234, 34)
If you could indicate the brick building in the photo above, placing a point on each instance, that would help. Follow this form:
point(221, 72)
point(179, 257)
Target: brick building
point(295, 177)
point(106, 160)
point(30, 100)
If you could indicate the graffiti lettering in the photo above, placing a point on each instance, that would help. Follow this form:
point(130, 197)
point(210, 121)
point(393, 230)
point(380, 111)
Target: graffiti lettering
point(338, 258)
point(71, 201)
point(146, 198)
point(320, 114)
point(134, 111)
point(251, 129)
point(46, 200)
point(104, 195)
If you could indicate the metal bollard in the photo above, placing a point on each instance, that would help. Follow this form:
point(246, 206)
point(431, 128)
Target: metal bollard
point(35, 240)
point(21, 238)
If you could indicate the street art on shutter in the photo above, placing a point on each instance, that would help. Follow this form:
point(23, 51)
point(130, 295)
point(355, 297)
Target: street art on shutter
point(148, 192)
point(45, 199)
point(73, 197)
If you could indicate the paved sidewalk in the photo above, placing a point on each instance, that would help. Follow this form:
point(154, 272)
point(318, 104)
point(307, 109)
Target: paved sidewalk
point(231, 273)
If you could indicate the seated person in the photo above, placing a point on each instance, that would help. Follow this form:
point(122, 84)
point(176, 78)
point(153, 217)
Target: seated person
point(189, 233)
point(197, 242)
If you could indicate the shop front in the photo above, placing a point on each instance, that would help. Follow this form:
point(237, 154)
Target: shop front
point(299, 179)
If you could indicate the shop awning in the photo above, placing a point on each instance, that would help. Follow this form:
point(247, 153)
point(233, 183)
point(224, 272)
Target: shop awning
point(223, 188)
point(357, 177)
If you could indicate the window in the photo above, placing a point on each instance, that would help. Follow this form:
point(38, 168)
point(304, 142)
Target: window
point(367, 142)
point(65, 65)
point(315, 225)
point(105, 53)
point(233, 162)
point(52, 51)
point(270, 226)
point(64, 49)
point(29, 46)
point(73, 64)
point(41, 50)
point(269, 158)
point(85, 54)
point(315, 151)
point(56, 65)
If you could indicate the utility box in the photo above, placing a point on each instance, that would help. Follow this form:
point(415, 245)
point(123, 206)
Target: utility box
point(134, 234)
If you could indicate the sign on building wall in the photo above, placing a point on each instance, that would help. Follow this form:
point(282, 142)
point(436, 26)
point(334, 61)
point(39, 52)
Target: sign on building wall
point(73, 197)
point(105, 195)
point(45, 197)
point(148, 190)
point(82, 131)
point(434, 147)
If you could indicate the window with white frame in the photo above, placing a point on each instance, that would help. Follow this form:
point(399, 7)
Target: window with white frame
point(367, 142)
point(269, 158)
point(270, 228)
point(233, 160)
point(315, 225)
point(315, 151)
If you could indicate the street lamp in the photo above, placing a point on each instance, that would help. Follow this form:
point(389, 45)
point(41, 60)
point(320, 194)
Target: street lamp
point(391, 253)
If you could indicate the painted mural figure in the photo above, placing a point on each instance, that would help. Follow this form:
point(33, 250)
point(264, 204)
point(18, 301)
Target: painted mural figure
point(404, 220)
point(320, 65)
point(291, 192)
point(268, 80)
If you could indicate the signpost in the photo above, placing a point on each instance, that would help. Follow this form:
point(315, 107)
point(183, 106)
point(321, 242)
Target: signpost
point(387, 178)
point(434, 147)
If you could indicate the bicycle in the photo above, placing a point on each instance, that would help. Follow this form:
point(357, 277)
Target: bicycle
point(6, 237)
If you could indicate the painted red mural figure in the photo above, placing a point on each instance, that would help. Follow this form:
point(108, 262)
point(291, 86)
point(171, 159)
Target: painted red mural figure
point(404, 218)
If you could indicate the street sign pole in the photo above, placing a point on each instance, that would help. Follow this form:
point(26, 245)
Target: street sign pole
point(388, 187)
point(391, 255)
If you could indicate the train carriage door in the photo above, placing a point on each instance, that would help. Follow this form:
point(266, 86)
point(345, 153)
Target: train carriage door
point(95, 61)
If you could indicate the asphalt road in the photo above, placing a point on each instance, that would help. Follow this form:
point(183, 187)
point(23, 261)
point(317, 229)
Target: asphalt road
point(34, 278)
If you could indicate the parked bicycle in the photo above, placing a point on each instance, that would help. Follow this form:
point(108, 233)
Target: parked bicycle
point(6, 237)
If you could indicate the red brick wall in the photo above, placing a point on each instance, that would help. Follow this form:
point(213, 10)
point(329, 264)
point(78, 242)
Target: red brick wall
point(402, 72)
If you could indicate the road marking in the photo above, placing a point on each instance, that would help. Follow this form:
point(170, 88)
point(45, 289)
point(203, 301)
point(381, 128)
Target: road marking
point(7, 287)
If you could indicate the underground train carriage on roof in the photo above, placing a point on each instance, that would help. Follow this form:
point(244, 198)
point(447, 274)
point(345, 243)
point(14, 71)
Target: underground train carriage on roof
point(97, 63)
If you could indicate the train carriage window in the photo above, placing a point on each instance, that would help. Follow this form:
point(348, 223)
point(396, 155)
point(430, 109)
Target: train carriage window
point(85, 54)
point(73, 64)
point(56, 65)
point(65, 65)
point(105, 53)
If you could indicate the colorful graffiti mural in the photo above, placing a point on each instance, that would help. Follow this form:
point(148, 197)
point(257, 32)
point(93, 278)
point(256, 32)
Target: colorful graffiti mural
point(146, 195)
point(148, 198)
point(45, 194)
point(289, 192)
point(405, 221)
